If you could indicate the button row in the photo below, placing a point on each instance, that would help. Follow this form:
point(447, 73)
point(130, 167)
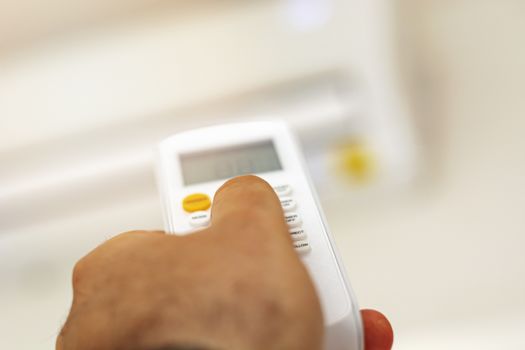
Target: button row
point(301, 245)
point(197, 205)
point(201, 201)
point(298, 234)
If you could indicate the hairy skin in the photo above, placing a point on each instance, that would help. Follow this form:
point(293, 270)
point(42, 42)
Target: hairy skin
point(237, 285)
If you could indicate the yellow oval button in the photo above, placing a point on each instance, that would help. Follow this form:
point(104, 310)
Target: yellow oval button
point(195, 202)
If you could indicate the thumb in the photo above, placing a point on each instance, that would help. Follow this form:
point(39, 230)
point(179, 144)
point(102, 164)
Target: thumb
point(247, 205)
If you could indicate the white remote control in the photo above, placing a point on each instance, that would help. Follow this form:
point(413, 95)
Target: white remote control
point(194, 164)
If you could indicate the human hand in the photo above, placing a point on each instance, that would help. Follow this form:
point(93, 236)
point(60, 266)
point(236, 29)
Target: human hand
point(236, 285)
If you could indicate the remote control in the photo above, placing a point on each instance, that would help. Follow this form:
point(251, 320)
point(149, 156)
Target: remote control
point(193, 164)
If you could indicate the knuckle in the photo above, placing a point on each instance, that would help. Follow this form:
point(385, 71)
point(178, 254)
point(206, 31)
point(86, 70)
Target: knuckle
point(274, 303)
point(79, 271)
point(126, 235)
point(260, 295)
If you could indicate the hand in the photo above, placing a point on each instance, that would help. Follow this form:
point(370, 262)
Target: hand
point(236, 285)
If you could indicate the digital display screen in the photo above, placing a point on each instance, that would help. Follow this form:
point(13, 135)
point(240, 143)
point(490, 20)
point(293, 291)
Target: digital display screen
point(225, 163)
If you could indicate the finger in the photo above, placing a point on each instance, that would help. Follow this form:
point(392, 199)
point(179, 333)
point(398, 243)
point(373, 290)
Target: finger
point(378, 331)
point(248, 203)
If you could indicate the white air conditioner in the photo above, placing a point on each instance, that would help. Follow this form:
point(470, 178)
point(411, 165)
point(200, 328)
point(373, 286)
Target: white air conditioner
point(83, 112)
point(80, 113)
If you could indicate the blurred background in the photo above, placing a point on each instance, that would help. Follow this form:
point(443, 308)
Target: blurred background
point(410, 114)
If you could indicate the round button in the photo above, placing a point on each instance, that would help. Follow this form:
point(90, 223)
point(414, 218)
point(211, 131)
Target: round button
point(302, 247)
point(293, 219)
point(288, 203)
point(196, 202)
point(297, 234)
point(199, 218)
point(283, 190)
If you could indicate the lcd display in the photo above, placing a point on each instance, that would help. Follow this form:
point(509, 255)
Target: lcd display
point(225, 163)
